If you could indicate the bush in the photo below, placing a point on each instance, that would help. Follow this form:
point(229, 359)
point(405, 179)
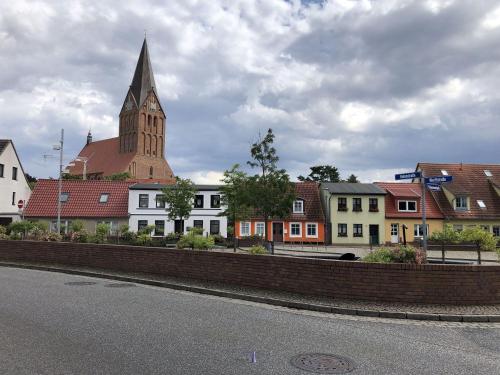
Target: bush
point(173, 237)
point(257, 250)
point(446, 236)
point(77, 226)
point(21, 227)
point(102, 232)
point(401, 254)
point(485, 240)
point(53, 237)
point(146, 230)
point(80, 236)
point(219, 239)
point(193, 240)
point(143, 239)
point(3, 233)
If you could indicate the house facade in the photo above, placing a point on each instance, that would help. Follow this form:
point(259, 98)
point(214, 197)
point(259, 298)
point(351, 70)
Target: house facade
point(146, 207)
point(355, 213)
point(13, 184)
point(92, 202)
point(403, 208)
point(472, 198)
point(305, 224)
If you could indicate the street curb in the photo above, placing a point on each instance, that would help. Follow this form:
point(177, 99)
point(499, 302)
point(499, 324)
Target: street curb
point(270, 301)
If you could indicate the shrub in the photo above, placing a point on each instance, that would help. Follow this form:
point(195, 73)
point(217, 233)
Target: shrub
point(146, 230)
point(380, 255)
point(484, 239)
point(3, 233)
point(77, 226)
point(173, 237)
point(80, 236)
point(257, 250)
point(193, 240)
point(143, 239)
point(401, 254)
point(219, 239)
point(21, 227)
point(102, 232)
point(447, 235)
point(53, 237)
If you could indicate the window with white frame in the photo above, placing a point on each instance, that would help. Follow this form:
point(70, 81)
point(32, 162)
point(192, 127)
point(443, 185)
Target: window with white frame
point(312, 230)
point(496, 230)
point(244, 228)
point(418, 230)
point(357, 230)
point(104, 198)
point(259, 229)
point(160, 201)
point(461, 203)
point(295, 230)
point(407, 206)
point(143, 200)
point(298, 207)
point(342, 230)
point(481, 204)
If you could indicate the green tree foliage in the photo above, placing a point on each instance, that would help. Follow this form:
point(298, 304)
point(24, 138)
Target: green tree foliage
point(400, 254)
point(3, 233)
point(484, 239)
point(67, 176)
point(118, 176)
point(102, 232)
point(322, 173)
point(31, 180)
point(77, 226)
point(179, 199)
point(446, 236)
point(270, 192)
point(194, 239)
point(352, 179)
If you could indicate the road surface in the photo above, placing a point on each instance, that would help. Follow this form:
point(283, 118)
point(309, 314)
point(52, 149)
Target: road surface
point(51, 324)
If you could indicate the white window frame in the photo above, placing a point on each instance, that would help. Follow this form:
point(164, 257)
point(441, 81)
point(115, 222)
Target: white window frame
point(407, 210)
point(260, 223)
point(301, 211)
point(315, 229)
point(481, 203)
point(464, 199)
point(244, 223)
point(495, 229)
point(419, 226)
point(104, 198)
point(300, 229)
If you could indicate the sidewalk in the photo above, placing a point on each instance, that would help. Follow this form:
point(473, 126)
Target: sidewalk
point(460, 313)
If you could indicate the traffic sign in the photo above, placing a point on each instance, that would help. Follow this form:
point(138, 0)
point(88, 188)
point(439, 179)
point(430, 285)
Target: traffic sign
point(438, 180)
point(408, 176)
point(20, 204)
point(434, 187)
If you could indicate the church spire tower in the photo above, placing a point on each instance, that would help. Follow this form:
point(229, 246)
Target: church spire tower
point(142, 120)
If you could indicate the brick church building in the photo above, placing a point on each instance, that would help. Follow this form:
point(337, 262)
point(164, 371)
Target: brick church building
point(139, 148)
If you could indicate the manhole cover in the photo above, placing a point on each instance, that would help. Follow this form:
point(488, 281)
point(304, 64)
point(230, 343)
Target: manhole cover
point(119, 285)
point(323, 363)
point(80, 283)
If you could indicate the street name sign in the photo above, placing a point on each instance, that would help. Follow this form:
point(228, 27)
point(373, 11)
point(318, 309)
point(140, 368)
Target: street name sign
point(408, 176)
point(438, 180)
point(434, 187)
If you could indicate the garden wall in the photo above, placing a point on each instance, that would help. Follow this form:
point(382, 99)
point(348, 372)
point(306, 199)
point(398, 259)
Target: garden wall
point(445, 284)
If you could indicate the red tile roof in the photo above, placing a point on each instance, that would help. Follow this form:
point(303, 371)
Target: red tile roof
point(313, 210)
point(104, 157)
point(83, 200)
point(413, 191)
point(469, 180)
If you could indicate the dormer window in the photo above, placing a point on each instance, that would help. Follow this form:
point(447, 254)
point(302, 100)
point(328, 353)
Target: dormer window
point(488, 173)
point(104, 198)
point(444, 172)
point(407, 206)
point(480, 203)
point(461, 203)
point(298, 207)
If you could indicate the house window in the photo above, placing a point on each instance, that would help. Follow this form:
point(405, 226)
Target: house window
point(104, 198)
point(461, 203)
point(64, 197)
point(418, 230)
point(1, 170)
point(160, 202)
point(143, 200)
point(214, 226)
point(141, 224)
point(159, 227)
point(14, 173)
point(342, 204)
point(14, 198)
point(259, 229)
point(373, 203)
point(356, 205)
point(198, 224)
point(488, 173)
point(298, 207)
point(357, 230)
point(407, 206)
point(215, 201)
point(244, 228)
point(444, 172)
point(198, 201)
point(481, 204)
point(342, 230)
point(496, 230)
point(295, 230)
point(312, 230)
point(458, 227)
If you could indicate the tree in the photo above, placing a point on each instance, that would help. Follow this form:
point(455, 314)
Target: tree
point(234, 196)
point(270, 193)
point(31, 180)
point(123, 176)
point(179, 199)
point(322, 173)
point(352, 179)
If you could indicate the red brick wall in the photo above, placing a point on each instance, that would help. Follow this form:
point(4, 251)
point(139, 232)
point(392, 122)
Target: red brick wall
point(446, 284)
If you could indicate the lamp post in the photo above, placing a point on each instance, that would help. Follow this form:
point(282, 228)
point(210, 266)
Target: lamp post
point(60, 148)
point(328, 218)
point(84, 160)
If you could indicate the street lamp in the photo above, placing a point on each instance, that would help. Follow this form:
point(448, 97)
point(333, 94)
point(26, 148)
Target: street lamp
point(329, 222)
point(60, 148)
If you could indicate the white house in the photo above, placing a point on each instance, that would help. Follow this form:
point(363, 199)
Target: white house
point(13, 184)
point(146, 208)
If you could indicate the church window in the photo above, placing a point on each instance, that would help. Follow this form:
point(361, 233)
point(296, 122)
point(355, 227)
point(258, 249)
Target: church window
point(155, 121)
point(150, 172)
point(149, 122)
point(149, 144)
point(153, 149)
point(144, 143)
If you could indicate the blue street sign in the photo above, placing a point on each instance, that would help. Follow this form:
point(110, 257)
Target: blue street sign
point(438, 180)
point(434, 187)
point(408, 176)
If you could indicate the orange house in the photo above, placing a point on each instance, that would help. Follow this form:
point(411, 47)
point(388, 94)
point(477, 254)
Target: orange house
point(305, 224)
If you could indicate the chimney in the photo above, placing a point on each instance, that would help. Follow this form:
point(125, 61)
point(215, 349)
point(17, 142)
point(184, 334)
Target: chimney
point(89, 138)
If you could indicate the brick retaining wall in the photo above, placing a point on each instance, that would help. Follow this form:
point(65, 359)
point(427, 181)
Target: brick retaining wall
point(445, 284)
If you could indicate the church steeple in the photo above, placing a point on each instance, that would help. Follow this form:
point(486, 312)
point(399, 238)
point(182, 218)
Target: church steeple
point(143, 81)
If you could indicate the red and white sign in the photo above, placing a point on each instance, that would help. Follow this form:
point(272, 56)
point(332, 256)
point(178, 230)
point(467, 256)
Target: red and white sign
point(20, 204)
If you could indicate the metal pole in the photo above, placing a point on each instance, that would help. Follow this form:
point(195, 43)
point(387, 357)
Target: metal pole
point(85, 169)
point(60, 182)
point(424, 229)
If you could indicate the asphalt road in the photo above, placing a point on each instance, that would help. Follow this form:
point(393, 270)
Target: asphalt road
point(48, 326)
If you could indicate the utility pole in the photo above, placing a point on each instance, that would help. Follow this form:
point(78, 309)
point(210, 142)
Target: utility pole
point(60, 148)
point(424, 229)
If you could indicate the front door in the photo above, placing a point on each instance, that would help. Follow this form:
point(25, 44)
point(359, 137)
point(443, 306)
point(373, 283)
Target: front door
point(374, 240)
point(395, 233)
point(179, 226)
point(278, 232)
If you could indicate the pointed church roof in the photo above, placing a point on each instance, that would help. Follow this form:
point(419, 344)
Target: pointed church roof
point(143, 81)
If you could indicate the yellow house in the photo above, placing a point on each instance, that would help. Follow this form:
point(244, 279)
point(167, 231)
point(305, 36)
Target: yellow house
point(472, 198)
point(355, 213)
point(403, 212)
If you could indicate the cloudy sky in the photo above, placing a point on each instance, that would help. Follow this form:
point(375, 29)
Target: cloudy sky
point(371, 87)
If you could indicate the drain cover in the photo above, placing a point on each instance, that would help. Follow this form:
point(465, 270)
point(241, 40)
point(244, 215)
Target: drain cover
point(119, 285)
point(320, 363)
point(80, 283)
